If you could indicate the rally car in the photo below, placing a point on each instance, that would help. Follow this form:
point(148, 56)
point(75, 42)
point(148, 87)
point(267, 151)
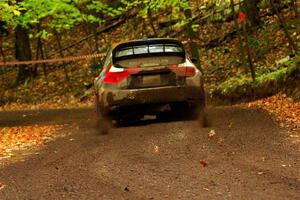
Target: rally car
point(147, 77)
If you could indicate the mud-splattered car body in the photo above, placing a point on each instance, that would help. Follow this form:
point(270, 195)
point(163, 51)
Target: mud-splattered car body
point(146, 77)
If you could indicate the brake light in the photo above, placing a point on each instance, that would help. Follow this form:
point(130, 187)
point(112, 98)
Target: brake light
point(115, 77)
point(183, 71)
point(190, 71)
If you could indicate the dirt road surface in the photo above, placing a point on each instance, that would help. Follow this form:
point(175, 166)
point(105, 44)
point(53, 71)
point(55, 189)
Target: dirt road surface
point(243, 154)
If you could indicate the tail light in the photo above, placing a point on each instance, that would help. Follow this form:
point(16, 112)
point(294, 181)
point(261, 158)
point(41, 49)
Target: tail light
point(190, 71)
point(115, 77)
point(183, 71)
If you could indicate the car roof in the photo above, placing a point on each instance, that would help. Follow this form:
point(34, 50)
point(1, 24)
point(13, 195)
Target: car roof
point(147, 42)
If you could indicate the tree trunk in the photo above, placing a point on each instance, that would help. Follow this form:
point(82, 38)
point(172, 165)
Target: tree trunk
point(236, 24)
point(295, 8)
point(23, 53)
point(40, 54)
point(282, 22)
point(3, 57)
point(251, 65)
point(1, 47)
point(252, 11)
point(91, 28)
point(56, 34)
point(192, 36)
point(151, 23)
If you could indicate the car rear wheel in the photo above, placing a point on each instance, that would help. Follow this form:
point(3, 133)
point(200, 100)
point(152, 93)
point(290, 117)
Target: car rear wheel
point(197, 111)
point(164, 116)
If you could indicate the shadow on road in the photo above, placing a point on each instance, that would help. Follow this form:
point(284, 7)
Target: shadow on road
point(84, 117)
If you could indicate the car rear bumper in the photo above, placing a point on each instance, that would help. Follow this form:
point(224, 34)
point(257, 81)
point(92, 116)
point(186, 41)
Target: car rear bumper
point(112, 99)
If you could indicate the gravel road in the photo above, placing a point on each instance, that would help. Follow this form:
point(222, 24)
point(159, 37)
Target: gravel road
point(243, 154)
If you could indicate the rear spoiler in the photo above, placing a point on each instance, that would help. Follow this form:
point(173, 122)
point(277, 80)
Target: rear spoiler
point(148, 43)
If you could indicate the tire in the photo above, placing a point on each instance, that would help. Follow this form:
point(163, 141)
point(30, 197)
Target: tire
point(103, 124)
point(126, 121)
point(198, 112)
point(163, 116)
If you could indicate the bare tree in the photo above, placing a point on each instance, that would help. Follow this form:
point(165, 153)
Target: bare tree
point(252, 11)
point(23, 52)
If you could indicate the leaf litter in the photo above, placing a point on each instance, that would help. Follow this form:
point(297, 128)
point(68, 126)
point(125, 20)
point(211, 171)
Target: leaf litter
point(284, 109)
point(18, 138)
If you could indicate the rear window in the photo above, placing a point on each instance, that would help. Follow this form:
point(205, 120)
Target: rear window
point(148, 49)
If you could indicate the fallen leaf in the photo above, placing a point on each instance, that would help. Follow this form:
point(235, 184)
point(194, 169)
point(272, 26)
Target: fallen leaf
point(212, 133)
point(2, 186)
point(126, 189)
point(156, 149)
point(203, 163)
point(284, 110)
point(220, 141)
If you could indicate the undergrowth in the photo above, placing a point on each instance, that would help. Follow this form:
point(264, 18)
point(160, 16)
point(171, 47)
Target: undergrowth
point(241, 86)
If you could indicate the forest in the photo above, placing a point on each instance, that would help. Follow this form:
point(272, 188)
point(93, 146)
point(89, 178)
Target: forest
point(241, 46)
